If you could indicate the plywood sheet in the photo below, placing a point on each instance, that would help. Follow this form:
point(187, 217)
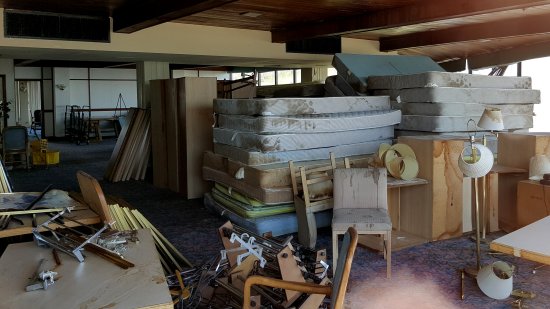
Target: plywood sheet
point(434, 211)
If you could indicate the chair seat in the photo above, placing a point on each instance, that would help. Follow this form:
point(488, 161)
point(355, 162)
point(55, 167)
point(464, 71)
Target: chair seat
point(362, 219)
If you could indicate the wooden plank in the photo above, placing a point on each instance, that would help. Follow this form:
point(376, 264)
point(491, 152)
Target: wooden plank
point(124, 165)
point(118, 146)
point(289, 272)
point(158, 131)
point(172, 136)
point(199, 96)
point(85, 216)
point(533, 202)
point(93, 195)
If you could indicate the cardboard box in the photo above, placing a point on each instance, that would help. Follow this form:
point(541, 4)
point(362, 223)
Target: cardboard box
point(533, 202)
point(48, 158)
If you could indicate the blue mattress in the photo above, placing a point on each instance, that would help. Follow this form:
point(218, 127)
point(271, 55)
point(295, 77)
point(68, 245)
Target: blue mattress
point(277, 224)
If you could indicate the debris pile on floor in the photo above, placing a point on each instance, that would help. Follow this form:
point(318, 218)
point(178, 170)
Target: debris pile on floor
point(219, 282)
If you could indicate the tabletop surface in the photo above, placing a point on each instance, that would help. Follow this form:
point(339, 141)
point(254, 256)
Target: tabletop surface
point(95, 283)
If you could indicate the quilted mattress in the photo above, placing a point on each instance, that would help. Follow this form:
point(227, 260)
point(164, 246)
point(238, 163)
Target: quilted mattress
point(309, 123)
point(301, 106)
point(269, 196)
point(278, 224)
point(447, 79)
point(267, 176)
point(458, 109)
point(355, 69)
point(260, 158)
point(248, 211)
point(289, 142)
point(464, 95)
point(457, 123)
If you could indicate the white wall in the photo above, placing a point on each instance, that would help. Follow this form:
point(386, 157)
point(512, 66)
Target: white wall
point(61, 98)
point(202, 73)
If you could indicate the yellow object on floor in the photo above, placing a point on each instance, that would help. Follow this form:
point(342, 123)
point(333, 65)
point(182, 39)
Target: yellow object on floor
point(41, 155)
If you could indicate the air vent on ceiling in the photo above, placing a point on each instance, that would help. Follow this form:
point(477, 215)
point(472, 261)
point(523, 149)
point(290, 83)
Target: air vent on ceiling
point(52, 26)
point(324, 45)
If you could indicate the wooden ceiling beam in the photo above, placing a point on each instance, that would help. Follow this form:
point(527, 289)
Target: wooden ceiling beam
point(417, 13)
point(528, 25)
point(150, 13)
point(509, 56)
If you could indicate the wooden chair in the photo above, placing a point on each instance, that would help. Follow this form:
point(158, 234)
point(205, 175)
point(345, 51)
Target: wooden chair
point(312, 189)
point(360, 201)
point(336, 292)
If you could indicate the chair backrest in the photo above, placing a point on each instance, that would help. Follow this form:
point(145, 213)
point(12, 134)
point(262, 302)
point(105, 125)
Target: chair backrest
point(93, 195)
point(341, 274)
point(15, 138)
point(312, 183)
point(37, 115)
point(360, 188)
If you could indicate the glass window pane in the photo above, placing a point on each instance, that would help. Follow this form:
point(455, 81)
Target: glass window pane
point(298, 75)
point(285, 77)
point(267, 78)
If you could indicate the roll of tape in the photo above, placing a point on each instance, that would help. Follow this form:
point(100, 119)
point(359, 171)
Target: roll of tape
point(405, 168)
point(403, 150)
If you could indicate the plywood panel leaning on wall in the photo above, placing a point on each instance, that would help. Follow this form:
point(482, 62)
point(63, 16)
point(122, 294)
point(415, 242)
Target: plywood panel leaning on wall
point(182, 123)
point(434, 211)
point(515, 150)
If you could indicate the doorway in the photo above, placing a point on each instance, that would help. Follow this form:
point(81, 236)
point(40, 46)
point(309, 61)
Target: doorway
point(28, 105)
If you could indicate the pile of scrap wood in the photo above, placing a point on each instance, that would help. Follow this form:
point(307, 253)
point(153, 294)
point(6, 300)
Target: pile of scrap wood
point(219, 282)
point(5, 186)
point(127, 219)
point(131, 153)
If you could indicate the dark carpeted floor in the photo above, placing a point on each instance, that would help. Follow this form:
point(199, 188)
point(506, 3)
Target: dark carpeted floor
point(425, 276)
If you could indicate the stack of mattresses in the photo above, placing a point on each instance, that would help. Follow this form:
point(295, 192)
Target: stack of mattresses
point(442, 102)
point(255, 138)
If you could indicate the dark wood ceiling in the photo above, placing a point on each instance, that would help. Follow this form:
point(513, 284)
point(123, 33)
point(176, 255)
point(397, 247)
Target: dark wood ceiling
point(484, 31)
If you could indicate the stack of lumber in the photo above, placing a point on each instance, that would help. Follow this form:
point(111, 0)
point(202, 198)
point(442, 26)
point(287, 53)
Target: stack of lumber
point(131, 219)
point(181, 112)
point(131, 153)
point(254, 139)
point(442, 102)
point(5, 186)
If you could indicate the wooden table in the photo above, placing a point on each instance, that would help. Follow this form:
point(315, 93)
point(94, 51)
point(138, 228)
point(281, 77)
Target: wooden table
point(54, 198)
point(529, 242)
point(95, 283)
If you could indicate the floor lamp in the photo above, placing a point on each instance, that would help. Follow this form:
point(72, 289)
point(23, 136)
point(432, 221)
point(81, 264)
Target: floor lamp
point(490, 120)
point(475, 161)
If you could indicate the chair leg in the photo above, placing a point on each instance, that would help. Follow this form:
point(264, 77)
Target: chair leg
point(307, 227)
point(334, 251)
point(388, 253)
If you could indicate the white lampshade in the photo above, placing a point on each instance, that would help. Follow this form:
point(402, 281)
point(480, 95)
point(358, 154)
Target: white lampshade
point(496, 280)
point(480, 167)
point(491, 119)
point(538, 166)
